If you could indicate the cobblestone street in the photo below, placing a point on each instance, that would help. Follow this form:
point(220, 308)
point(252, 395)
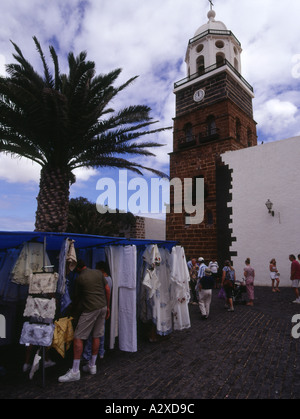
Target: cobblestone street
point(247, 354)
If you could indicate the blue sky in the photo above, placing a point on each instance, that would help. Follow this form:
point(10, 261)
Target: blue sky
point(149, 39)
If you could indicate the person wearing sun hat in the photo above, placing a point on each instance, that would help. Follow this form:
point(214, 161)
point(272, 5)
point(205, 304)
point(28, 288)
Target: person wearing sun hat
point(202, 267)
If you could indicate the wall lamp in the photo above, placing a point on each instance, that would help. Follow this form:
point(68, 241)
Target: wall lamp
point(269, 205)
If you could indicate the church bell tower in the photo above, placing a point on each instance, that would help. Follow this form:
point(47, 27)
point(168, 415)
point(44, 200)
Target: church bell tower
point(214, 114)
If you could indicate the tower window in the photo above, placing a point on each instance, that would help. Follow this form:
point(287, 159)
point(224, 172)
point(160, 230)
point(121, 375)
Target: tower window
point(220, 59)
point(188, 133)
point(236, 64)
point(220, 44)
point(199, 48)
point(201, 64)
point(211, 126)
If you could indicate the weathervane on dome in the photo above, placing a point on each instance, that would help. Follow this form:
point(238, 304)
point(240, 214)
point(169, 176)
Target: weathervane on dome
point(211, 4)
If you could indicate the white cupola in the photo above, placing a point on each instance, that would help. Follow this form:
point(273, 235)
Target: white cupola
point(212, 46)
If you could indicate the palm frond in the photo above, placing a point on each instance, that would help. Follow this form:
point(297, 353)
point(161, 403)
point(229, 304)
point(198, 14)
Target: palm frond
point(48, 77)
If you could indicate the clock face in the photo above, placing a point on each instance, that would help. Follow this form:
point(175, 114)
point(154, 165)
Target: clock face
point(199, 95)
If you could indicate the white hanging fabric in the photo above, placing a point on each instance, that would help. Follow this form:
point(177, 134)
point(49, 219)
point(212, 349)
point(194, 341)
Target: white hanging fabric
point(157, 283)
point(167, 285)
point(180, 292)
point(153, 259)
point(32, 259)
point(122, 262)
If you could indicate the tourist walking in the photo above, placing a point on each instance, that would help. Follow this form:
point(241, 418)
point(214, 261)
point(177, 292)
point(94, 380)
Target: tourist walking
point(193, 271)
point(202, 267)
point(249, 275)
point(206, 285)
point(214, 267)
point(274, 275)
point(228, 281)
point(295, 277)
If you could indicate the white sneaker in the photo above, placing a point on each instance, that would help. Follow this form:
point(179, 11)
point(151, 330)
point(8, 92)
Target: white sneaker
point(90, 369)
point(69, 377)
point(297, 301)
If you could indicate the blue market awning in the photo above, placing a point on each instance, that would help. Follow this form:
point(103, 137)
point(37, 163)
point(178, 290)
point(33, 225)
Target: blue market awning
point(14, 239)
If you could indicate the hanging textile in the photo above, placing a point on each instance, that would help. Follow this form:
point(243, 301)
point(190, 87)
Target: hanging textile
point(167, 289)
point(43, 283)
point(158, 286)
point(67, 262)
point(63, 335)
point(127, 301)
point(122, 263)
point(9, 291)
point(37, 334)
point(161, 300)
point(180, 293)
point(40, 307)
point(31, 259)
point(71, 255)
point(113, 261)
point(152, 258)
point(61, 282)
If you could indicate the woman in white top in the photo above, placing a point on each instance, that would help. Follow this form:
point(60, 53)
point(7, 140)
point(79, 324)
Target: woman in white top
point(274, 274)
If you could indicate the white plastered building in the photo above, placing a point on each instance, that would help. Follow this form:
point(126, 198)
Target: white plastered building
point(268, 171)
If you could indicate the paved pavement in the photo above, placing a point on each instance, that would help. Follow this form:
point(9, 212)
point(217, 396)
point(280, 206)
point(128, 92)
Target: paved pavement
point(247, 354)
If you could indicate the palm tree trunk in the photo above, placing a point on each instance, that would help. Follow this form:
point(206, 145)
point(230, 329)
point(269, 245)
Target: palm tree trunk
point(53, 200)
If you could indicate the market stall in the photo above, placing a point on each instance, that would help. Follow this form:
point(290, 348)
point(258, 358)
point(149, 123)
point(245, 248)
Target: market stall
point(37, 272)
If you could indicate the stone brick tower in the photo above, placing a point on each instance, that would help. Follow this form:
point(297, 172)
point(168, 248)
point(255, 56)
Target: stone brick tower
point(214, 114)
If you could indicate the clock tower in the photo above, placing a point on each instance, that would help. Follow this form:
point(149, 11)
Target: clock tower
point(214, 114)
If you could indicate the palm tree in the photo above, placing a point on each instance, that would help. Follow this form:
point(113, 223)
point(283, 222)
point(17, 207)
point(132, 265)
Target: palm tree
point(64, 122)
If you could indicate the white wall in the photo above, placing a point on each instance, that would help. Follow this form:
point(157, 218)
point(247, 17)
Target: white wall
point(155, 229)
point(267, 171)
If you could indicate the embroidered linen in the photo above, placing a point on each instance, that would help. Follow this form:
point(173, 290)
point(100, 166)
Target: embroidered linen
point(63, 335)
point(40, 307)
point(153, 259)
point(152, 255)
point(43, 283)
point(31, 260)
point(37, 334)
point(67, 262)
point(71, 256)
point(180, 292)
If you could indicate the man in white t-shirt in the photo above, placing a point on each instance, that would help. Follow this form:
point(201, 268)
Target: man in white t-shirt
point(214, 267)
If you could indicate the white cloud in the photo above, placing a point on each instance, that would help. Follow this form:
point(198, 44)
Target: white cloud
point(2, 65)
point(277, 117)
point(149, 39)
point(15, 170)
point(22, 170)
point(83, 174)
point(16, 224)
